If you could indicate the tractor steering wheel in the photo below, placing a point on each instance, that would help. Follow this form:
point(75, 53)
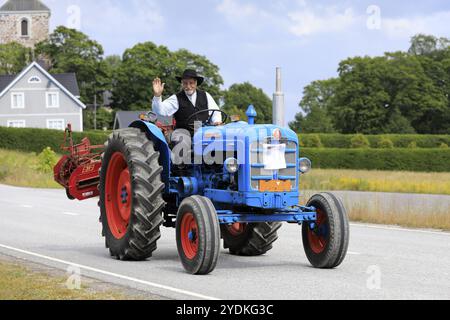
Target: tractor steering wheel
point(209, 119)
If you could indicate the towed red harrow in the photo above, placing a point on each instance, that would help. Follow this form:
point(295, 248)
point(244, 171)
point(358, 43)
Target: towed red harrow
point(78, 172)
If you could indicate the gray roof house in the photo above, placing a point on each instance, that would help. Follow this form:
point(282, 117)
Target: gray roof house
point(37, 99)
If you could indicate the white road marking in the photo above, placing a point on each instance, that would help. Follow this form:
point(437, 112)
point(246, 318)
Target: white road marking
point(399, 229)
point(147, 283)
point(354, 253)
point(71, 214)
point(26, 206)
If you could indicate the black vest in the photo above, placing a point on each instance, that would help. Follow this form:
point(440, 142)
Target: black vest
point(187, 109)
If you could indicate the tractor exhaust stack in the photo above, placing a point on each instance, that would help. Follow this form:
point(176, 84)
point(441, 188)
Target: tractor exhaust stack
point(278, 103)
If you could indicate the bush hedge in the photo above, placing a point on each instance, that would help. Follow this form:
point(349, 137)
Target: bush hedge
point(399, 140)
point(36, 140)
point(398, 159)
point(435, 159)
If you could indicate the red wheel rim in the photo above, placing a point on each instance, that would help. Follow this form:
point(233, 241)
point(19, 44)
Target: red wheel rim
point(118, 195)
point(189, 235)
point(318, 237)
point(236, 229)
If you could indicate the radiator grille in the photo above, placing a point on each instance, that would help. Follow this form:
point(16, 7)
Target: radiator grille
point(258, 172)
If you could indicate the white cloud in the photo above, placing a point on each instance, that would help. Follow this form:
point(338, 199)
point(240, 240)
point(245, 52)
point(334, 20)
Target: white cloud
point(303, 20)
point(138, 16)
point(233, 10)
point(435, 23)
point(109, 17)
point(248, 17)
point(310, 21)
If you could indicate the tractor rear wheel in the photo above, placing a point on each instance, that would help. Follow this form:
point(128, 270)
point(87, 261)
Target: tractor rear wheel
point(250, 239)
point(198, 235)
point(131, 200)
point(326, 241)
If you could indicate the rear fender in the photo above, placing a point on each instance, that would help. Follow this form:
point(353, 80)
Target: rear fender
point(155, 135)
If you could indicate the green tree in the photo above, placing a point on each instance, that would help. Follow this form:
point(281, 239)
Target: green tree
point(400, 92)
point(418, 91)
point(361, 98)
point(14, 57)
point(239, 96)
point(146, 61)
point(316, 103)
point(188, 60)
point(422, 44)
point(389, 94)
point(105, 119)
point(235, 111)
point(113, 62)
point(69, 50)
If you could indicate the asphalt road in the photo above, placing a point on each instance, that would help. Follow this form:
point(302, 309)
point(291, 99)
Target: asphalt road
point(383, 262)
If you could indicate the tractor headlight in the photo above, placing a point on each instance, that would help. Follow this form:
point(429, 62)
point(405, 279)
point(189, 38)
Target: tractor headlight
point(231, 165)
point(304, 165)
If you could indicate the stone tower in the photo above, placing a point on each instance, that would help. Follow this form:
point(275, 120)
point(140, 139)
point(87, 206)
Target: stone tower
point(24, 21)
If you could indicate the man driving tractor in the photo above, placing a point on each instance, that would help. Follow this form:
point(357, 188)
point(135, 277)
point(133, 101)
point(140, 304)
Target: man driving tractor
point(187, 102)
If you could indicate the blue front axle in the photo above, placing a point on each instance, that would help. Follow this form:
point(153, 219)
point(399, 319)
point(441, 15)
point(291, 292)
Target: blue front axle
point(299, 215)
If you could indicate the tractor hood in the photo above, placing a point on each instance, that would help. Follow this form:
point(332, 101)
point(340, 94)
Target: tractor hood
point(240, 131)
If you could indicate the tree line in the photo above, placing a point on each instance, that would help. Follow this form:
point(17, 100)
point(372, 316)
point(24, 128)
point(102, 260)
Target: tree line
point(400, 92)
point(128, 78)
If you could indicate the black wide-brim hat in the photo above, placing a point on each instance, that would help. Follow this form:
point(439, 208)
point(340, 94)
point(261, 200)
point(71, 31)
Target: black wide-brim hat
point(191, 74)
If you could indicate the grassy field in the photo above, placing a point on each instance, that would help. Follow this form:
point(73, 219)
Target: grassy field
point(21, 283)
point(387, 211)
point(20, 169)
point(377, 181)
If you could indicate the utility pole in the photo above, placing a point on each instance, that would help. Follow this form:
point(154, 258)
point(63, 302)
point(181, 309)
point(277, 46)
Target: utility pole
point(95, 110)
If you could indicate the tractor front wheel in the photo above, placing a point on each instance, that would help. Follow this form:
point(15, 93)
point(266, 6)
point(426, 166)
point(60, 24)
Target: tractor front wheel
point(326, 241)
point(198, 235)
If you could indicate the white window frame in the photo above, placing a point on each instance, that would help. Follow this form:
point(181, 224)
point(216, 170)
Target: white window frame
point(47, 99)
point(14, 94)
point(61, 120)
point(9, 123)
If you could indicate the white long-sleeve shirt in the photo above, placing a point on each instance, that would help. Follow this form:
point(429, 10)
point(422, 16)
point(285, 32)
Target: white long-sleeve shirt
point(170, 106)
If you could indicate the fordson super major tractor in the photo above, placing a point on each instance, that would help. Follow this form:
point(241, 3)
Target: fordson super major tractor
point(243, 199)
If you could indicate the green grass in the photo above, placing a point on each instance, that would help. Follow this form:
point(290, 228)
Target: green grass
point(436, 216)
point(20, 169)
point(377, 181)
point(20, 283)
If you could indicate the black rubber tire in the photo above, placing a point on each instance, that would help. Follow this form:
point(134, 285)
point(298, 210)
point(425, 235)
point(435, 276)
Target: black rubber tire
point(338, 236)
point(147, 188)
point(205, 215)
point(69, 196)
point(256, 239)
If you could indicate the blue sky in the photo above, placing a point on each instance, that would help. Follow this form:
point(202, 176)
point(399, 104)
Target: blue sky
point(248, 39)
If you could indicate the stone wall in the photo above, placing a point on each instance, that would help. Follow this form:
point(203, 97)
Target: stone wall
point(10, 28)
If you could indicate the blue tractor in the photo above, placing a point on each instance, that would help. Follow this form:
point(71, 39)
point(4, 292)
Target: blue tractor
point(243, 199)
